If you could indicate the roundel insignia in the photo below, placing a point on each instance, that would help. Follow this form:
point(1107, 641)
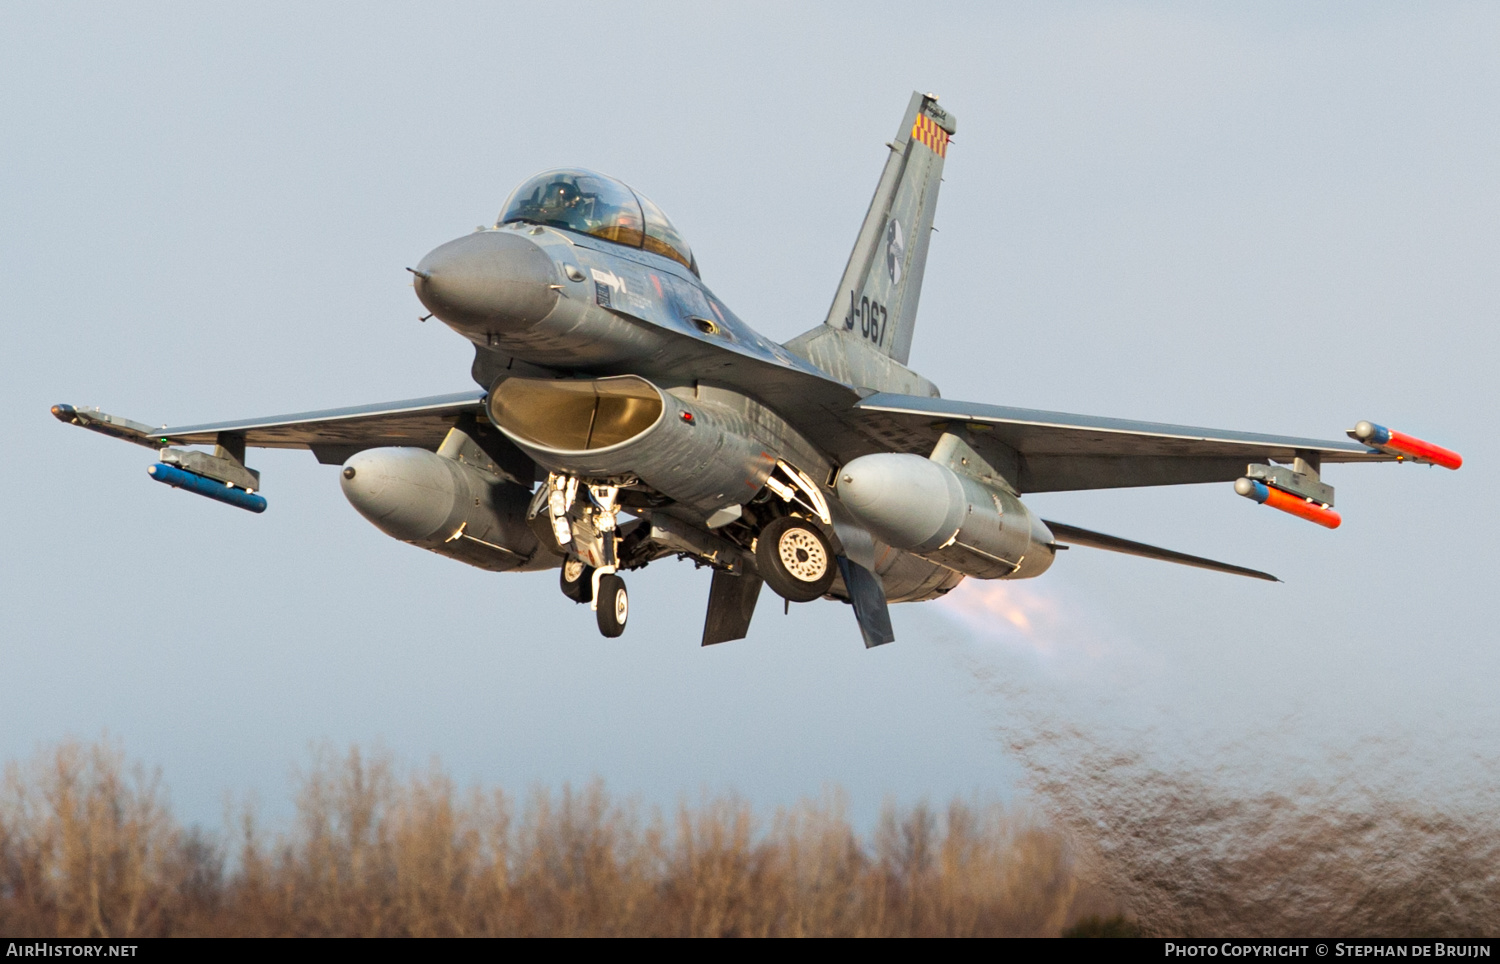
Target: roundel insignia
point(895, 250)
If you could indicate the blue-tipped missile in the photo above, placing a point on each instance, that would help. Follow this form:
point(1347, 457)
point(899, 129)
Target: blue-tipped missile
point(203, 485)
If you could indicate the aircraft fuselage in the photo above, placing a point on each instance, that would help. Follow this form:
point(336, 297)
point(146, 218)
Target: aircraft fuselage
point(627, 416)
point(576, 312)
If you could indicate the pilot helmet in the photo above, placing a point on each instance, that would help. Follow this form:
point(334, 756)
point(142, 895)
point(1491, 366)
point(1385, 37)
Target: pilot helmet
point(559, 196)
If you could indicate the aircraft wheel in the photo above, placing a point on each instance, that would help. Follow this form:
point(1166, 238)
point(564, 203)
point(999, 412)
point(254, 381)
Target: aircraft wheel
point(795, 559)
point(577, 581)
point(614, 605)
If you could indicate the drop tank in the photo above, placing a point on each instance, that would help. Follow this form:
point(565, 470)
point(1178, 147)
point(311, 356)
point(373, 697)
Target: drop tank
point(929, 510)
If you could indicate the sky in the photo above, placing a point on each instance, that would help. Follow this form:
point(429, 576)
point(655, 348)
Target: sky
point(1265, 217)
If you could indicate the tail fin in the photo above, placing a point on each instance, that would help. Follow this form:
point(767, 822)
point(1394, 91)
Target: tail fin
point(877, 298)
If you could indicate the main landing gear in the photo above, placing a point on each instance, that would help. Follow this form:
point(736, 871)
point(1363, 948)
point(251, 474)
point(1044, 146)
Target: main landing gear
point(791, 551)
point(795, 559)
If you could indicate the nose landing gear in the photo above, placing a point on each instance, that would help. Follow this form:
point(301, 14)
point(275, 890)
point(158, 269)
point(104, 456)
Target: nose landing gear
point(601, 588)
point(584, 518)
point(612, 605)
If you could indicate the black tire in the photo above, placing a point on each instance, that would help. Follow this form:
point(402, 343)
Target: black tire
point(614, 605)
point(795, 559)
point(580, 588)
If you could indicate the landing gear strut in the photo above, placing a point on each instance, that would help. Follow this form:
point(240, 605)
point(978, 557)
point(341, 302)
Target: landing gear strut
point(585, 519)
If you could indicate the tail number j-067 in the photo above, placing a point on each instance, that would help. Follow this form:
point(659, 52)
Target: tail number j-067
point(872, 318)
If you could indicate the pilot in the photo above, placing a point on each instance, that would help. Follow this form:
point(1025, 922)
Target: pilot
point(561, 203)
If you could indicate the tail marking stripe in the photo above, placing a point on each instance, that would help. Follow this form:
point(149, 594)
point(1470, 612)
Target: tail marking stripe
point(928, 132)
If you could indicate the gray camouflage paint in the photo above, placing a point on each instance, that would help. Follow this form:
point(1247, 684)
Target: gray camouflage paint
point(540, 302)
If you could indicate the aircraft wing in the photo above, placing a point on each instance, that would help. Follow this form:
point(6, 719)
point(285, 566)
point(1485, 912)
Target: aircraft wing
point(331, 434)
point(1060, 452)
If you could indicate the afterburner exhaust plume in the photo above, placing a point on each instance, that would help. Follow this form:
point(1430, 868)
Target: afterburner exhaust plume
point(1023, 617)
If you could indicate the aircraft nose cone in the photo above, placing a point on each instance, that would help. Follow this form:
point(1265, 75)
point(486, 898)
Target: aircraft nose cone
point(489, 281)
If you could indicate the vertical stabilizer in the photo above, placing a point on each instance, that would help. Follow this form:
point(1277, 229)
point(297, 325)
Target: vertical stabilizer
point(877, 298)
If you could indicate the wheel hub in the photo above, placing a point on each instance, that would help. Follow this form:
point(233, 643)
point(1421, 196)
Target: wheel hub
point(802, 554)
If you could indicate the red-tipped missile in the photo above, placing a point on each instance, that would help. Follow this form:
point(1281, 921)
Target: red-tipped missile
point(1288, 503)
point(1395, 443)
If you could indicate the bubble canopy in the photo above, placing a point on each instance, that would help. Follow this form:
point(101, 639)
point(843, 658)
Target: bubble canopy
point(592, 204)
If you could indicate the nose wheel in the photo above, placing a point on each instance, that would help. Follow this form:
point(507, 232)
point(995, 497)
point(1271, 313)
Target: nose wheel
point(613, 605)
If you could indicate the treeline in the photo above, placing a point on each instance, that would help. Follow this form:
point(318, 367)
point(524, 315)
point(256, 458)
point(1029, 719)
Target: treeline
point(89, 848)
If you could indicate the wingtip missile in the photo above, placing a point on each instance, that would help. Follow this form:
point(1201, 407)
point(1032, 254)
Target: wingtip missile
point(210, 488)
point(1404, 446)
point(105, 424)
point(1286, 502)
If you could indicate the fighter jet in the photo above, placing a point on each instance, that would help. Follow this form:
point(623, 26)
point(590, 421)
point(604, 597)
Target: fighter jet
point(624, 414)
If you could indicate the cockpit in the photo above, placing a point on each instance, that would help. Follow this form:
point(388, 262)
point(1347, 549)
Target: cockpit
point(592, 204)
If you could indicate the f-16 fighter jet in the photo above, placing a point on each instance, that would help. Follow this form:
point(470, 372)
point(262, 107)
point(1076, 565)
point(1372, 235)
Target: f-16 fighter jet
point(625, 415)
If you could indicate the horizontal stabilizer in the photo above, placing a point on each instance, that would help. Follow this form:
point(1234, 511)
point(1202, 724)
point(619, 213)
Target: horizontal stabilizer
point(1072, 535)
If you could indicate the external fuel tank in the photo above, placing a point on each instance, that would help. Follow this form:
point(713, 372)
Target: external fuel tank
point(929, 510)
point(446, 507)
